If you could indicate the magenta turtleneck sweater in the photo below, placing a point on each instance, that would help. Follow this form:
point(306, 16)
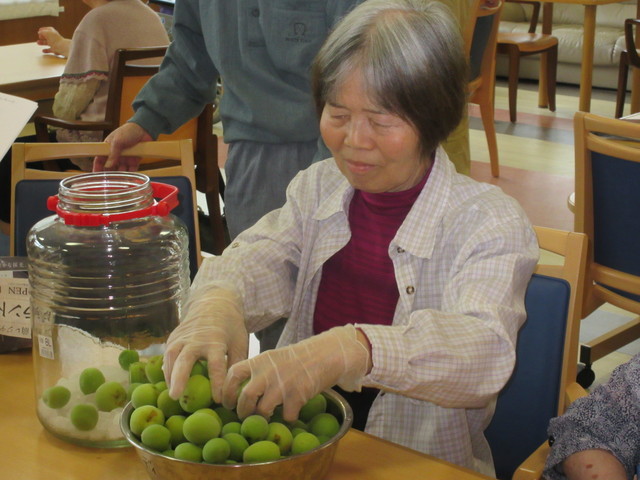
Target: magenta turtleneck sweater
point(358, 284)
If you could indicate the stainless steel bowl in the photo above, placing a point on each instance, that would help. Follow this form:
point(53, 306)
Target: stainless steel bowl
point(312, 465)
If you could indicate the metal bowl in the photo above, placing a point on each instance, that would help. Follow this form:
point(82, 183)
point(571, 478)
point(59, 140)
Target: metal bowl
point(311, 465)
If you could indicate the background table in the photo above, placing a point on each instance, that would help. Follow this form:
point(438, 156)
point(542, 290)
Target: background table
point(586, 73)
point(30, 453)
point(27, 72)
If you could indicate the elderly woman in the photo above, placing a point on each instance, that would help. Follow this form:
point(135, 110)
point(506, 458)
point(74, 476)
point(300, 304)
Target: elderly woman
point(599, 435)
point(395, 272)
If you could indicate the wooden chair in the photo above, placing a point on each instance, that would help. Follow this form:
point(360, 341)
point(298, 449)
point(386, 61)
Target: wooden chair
point(546, 353)
point(131, 69)
point(628, 57)
point(607, 175)
point(480, 42)
point(177, 159)
point(516, 45)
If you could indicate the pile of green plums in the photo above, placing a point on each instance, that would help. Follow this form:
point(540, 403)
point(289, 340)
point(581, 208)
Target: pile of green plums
point(102, 395)
point(196, 429)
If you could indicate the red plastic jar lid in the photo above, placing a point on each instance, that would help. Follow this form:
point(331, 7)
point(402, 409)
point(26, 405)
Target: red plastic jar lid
point(169, 201)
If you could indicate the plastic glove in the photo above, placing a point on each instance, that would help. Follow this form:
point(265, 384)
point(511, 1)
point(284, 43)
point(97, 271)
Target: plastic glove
point(213, 329)
point(292, 375)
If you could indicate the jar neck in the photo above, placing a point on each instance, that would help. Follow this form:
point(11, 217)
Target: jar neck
point(105, 192)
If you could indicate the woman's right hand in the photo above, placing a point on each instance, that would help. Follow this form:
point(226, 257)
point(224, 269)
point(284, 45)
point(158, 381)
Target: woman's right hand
point(213, 329)
point(55, 42)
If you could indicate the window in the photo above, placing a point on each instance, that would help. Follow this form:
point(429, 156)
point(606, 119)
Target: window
point(10, 9)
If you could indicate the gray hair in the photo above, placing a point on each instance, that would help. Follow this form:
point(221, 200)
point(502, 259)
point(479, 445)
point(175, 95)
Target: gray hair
point(412, 59)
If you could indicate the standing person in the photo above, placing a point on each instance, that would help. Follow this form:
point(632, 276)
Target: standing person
point(395, 272)
point(262, 50)
point(599, 435)
point(82, 94)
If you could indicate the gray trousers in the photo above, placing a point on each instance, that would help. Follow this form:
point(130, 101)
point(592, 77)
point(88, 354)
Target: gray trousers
point(257, 178)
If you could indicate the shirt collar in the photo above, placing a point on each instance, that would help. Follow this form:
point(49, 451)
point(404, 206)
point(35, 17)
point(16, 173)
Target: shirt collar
point(417, 234)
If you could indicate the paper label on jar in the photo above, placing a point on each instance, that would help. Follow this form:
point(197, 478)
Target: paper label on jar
point(45, 347)
point(15, 310)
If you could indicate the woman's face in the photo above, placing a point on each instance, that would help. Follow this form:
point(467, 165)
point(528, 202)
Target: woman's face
point(376, 150)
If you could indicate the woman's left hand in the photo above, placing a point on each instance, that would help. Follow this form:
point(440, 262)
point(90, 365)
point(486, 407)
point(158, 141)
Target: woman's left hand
point(55, 43)
point(292, 375)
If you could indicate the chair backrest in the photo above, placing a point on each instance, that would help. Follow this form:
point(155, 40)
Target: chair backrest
point(178, 162)
point(128, 76)
point(607, 202)
point(131, 69)
point(631, 24)
point(535, 13)
point(480, 39)
point(35, 193)
point(546, 354)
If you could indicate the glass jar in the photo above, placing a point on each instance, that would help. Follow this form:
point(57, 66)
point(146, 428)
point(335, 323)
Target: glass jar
point(108, 273)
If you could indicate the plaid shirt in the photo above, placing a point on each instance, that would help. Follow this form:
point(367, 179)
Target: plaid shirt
point(462, 260)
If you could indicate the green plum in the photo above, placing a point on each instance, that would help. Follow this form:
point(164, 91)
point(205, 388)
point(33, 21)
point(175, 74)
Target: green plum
point(157, 437)
point(90, 379)
point(144, 416)
point(145, 394)
point(226, 415)
point(127, 357)
point(137, 373)
point(254, 428)
point(303, 442)
point(84, 416)
point(314, 406)
point(161, 386)
point(56, 396)
point(110, 395)
point(261, 451)
point(175, 424)
point(200, 368)
point(188, 451)
point(197, 394)
point(153, 369)
point(238, 445)
point(200, 427)
point(231, 427)
point(168, 405)
point(281, 436)
point(324, 424)
point(216, 450)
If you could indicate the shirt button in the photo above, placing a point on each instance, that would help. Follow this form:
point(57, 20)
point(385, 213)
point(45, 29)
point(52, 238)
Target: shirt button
point(255, 12)
point(411, 290)
point(400, 250)
point(235, 245)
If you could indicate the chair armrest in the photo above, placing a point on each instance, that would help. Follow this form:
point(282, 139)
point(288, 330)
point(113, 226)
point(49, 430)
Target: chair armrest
point(573, 392)
point(533, 466)
point(41, 122)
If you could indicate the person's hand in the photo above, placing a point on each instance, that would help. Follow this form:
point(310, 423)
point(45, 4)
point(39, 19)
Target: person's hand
point(292, 375)
point(123, 137)
point(213, 329)
point(55, 42)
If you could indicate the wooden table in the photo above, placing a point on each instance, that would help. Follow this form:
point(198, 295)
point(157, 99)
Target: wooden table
point(27, 72)
point(30, 453)
point(588, 42)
